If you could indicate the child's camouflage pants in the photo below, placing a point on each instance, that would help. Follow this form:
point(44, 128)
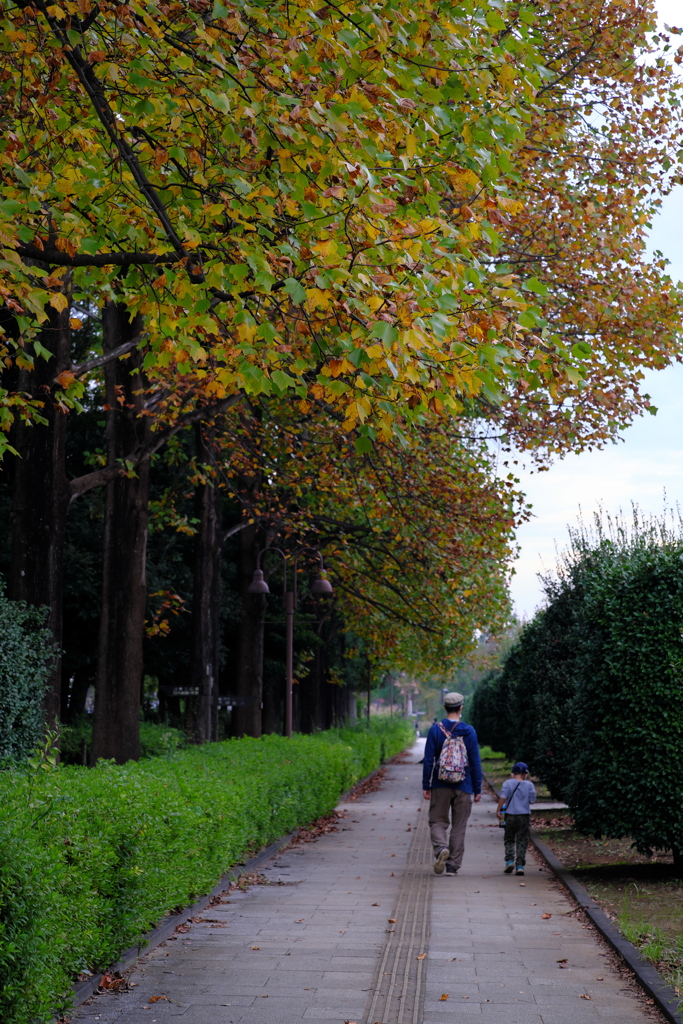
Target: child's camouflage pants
point(517, 837)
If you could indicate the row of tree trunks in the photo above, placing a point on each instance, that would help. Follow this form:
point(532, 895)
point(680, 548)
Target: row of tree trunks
point(40, 498)
point(41, 494)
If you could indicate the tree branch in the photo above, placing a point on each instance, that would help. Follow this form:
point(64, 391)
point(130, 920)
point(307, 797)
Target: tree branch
point(100, 477)
point(80, 368)
point(95, 90)
point(57, 258)
point(235, 529)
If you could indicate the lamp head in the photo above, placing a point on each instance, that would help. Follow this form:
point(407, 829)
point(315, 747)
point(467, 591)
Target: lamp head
point(322, 585)
point(258, 585)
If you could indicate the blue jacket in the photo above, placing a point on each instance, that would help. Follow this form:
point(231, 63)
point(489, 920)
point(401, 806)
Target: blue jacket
point(435, 741)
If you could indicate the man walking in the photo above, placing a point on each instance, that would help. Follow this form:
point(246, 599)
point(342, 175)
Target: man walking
point(451, 781)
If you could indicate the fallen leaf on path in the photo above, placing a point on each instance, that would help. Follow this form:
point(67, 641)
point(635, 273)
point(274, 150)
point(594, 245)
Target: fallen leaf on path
point(255, 947)
point(421, 956)
point(546, 917)
point(443, 998)
point(375, 904)
point(584, 996)
point(114, 981)
point(391, 920)
point(155, 999)
point(599, 979)
point(522, 884)
point(300, 920)
point(392, 873)
point(562, 961)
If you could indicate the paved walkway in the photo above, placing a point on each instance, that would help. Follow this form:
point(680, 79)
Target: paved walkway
point(361, 930)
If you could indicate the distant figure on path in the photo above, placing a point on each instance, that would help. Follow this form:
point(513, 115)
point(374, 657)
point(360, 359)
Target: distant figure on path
point(516, 795)
point(451, 780)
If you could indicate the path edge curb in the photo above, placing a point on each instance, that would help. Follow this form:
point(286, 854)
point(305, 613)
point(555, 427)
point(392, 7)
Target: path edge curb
point(647, 976)
point(82, 990)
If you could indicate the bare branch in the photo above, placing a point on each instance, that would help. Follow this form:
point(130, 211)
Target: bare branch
point(92, 364)
point(235, 529)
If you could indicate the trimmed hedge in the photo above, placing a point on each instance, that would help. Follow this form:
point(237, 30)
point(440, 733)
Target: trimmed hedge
point(590, 694)
point(92, 858)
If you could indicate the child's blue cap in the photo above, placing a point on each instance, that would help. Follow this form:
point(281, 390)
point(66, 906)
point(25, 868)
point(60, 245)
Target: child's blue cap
point(519, 768)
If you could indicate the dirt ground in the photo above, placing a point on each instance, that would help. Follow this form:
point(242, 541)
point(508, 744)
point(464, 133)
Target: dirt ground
point(642, 895)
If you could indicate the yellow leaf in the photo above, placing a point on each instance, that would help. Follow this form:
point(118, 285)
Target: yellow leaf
point(326, 247)
point(59, 301)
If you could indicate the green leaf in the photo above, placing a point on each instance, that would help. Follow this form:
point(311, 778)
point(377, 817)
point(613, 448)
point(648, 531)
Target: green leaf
point(295, 288)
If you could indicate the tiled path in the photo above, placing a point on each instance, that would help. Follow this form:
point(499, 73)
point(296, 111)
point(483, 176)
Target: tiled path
point(344, 940)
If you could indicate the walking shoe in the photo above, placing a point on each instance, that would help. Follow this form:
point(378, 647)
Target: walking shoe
point(440, 862)
point(519, 869)
point(451, 871)
point(509, 867)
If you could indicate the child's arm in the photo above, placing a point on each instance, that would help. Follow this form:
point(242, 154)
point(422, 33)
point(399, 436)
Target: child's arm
point(501, 801)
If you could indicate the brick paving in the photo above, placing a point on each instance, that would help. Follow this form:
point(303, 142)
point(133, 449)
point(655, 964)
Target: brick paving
point(338, 936)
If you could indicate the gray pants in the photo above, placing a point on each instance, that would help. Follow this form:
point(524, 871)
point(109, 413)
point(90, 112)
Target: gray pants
point(449, 807)
point(517, 837)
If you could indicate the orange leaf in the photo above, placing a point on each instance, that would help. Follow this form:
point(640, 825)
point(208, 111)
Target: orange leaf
point(443, 998)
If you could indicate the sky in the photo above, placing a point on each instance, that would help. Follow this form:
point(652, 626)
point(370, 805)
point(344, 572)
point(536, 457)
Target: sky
point(644, 465)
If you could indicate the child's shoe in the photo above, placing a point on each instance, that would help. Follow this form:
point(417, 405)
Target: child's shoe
point(509, 866)
point(520, 869)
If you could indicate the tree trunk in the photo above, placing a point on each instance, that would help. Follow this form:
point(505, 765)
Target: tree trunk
point(40, 496)
point(206, 596)
point(677, 856)
point(246, 715)
point(116, 729)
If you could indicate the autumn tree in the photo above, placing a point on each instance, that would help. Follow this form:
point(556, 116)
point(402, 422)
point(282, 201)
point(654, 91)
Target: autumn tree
point(310, 204)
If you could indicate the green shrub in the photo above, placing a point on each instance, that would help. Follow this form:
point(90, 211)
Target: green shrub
point(26, 660)
point(92, 858)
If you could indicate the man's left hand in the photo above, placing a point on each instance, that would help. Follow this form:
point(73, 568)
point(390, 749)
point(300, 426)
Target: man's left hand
point(477, 798)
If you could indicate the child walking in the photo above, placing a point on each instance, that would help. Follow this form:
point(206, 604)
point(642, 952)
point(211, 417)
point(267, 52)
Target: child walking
point(516, 796)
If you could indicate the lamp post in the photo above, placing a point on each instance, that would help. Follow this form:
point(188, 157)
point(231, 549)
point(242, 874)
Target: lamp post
point(258, 585)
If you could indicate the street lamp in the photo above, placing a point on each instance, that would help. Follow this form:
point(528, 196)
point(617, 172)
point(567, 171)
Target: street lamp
point(258, 585)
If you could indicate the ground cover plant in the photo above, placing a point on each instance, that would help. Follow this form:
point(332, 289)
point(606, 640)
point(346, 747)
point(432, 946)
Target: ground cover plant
point(94, 857)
